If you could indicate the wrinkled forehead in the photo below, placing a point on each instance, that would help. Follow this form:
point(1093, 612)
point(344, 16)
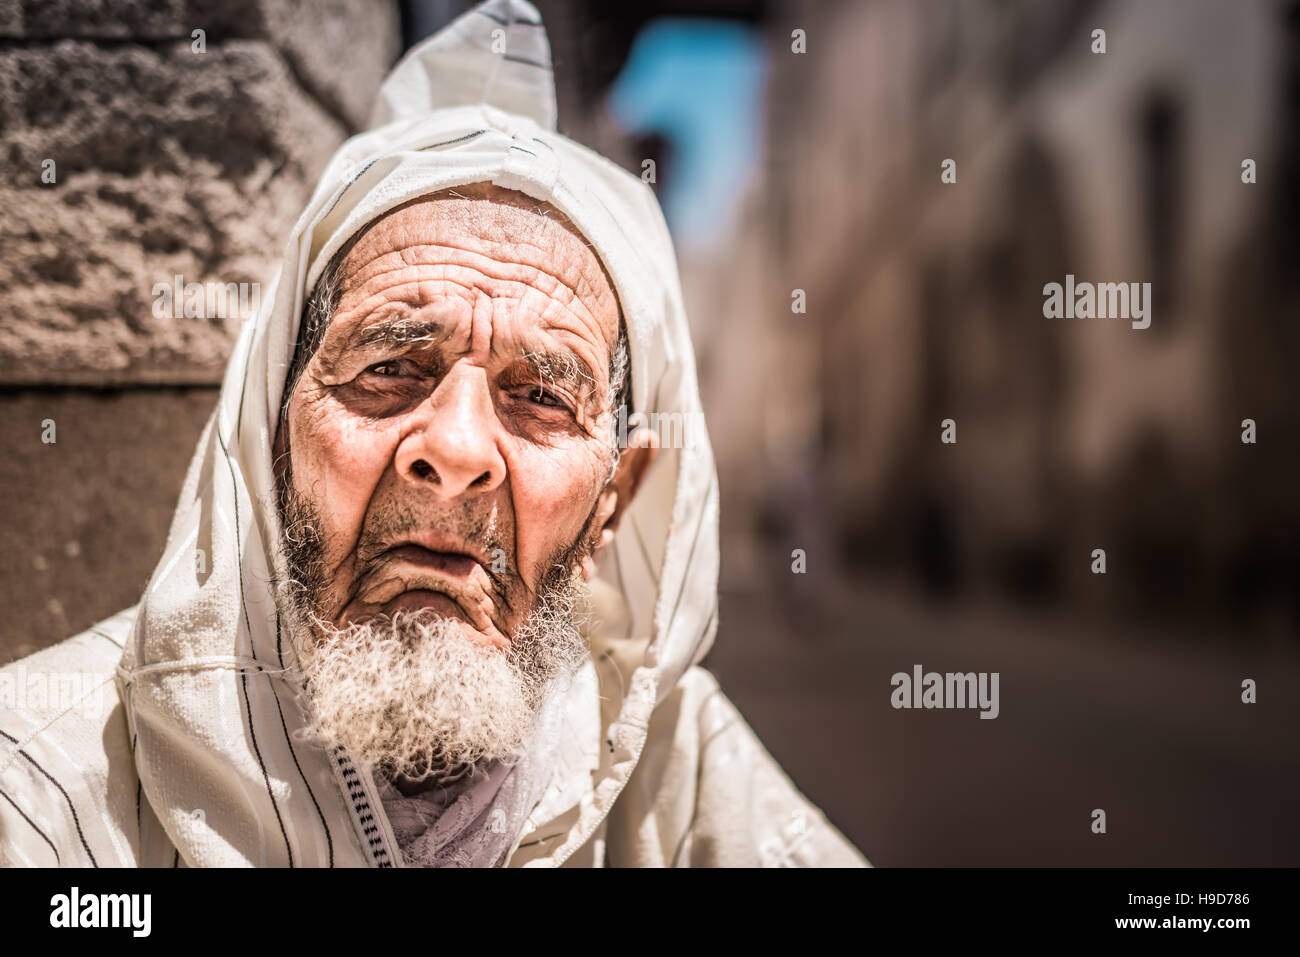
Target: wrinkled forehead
point(512, 232)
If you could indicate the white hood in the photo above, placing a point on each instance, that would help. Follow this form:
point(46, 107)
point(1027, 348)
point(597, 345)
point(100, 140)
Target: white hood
point(205, 676)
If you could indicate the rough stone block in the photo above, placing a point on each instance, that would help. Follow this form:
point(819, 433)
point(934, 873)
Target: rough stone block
point(167, 163)
point(88, 514)
point(339, 49)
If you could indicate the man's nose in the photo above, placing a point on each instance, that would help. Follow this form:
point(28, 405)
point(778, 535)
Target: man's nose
point(453, 444)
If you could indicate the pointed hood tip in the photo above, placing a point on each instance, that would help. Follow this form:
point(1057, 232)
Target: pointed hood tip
point(494, 55)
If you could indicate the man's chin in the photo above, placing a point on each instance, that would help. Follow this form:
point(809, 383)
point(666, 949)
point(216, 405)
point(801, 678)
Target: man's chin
point(412, 692)
point(409, 688)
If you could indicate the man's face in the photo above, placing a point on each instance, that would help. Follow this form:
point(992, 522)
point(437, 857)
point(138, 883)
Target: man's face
point(451, 433)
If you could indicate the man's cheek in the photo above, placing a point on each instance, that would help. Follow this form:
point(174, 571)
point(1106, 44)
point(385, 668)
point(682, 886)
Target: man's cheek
point(551, 504)
point(341, 468)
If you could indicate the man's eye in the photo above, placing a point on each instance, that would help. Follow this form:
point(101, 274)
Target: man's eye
point(543, 397)
point(389, 368)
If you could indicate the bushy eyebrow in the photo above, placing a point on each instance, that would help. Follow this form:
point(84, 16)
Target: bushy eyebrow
point(561, 367)
point(397, 331)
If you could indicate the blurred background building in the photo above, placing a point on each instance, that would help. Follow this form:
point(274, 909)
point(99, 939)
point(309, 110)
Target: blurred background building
point(784, 171)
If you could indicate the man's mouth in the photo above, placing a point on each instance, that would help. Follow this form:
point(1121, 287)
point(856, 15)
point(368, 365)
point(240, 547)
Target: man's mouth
point(441, 579)
point(455, 564)
point(428, 570)
point(431, 571)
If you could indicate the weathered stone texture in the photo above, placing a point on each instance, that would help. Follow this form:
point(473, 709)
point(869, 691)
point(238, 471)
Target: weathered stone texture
point(168, 162)
point(86, 516)
point(338, 49)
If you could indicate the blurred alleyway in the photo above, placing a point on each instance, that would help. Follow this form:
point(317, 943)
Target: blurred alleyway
point(1091, 717)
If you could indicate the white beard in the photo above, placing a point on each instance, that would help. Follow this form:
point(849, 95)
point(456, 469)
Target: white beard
point(417, 697)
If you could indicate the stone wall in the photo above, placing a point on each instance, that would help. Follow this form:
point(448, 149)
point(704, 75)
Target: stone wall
point(135, 151)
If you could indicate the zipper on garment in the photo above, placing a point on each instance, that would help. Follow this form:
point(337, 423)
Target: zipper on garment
point(367, 812)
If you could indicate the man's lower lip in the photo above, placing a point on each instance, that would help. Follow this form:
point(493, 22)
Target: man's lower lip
point(419, 598)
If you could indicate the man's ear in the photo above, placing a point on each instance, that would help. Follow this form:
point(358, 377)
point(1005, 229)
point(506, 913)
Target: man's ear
point(633, 465)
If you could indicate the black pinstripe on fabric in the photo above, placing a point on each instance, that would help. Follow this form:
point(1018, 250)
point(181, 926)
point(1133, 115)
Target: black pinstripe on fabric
point(686, 569)
point(109, 638)
point(139, 788)
point(252, 650)
point(43, 835)
point(636, 248)
point(527, 62)
point(343, 192)
point(622, 588)
point(712, 618)
point(248, 707)
point(75, 819)
point(506, 23)
point(279, 651)
point(699, 765)
point(645, 552)
point(608, 654)
point(329, 840)
point(540, 840)
point(716, 731)
point(243, 387)
point(176, 858)
point(362, 172)
point(459, 139)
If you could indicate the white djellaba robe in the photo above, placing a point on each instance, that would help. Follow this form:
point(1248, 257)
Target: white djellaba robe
point(181, 749)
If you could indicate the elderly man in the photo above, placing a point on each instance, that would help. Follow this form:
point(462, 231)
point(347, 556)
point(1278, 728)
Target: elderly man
point(426, 601)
